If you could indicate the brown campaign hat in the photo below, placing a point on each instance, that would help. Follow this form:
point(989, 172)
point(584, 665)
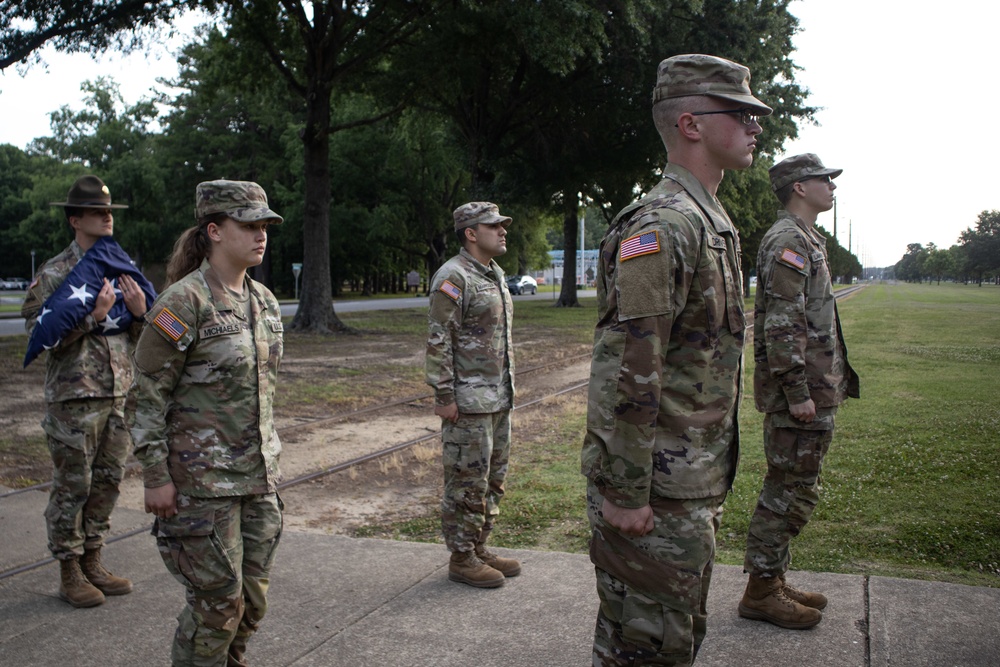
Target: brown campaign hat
point(699, 74)
point(478, 213)
point(799, 168)
point(88, 192)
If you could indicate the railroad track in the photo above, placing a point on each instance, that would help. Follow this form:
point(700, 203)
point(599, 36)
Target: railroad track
point(345, 465)
point(343, 416)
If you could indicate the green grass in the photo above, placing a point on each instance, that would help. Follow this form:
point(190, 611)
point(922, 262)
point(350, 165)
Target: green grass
point(911, 486)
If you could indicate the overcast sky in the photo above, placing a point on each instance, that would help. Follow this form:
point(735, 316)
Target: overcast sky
point(909, 101)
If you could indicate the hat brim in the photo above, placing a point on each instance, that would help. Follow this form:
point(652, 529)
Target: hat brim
point(493, 219)
point(256, 215)
point(750, 101)
point(68, 204)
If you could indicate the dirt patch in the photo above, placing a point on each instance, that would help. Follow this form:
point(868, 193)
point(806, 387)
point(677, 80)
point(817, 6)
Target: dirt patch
point(321, 380)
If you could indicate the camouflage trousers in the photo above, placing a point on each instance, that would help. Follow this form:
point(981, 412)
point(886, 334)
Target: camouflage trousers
point(475, 453)
point(789, 494)
point(221, 550)
point(653, 589)
point(89, 443)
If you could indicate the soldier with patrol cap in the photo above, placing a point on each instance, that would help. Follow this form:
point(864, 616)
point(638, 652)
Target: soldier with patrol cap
point(87, 377)
point(470, 365)
point(207, 363)
point(801, 376)
point(662, 439)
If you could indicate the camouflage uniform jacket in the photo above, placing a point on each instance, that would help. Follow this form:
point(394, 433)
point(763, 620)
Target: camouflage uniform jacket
point(798, 344)
point(665, 379)
point(205, 389)
point(470, 357)
point(85, 364)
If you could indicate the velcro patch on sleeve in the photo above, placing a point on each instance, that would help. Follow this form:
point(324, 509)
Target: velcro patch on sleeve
point(451, 290)
point(170, 324)
point(792, 259)
point(644, 243)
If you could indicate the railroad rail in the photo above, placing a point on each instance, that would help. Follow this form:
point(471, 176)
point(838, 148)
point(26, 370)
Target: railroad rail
point(345, 465)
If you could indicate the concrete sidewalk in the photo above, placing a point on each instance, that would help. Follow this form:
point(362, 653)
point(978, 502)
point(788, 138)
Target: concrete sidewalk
point(337, 601)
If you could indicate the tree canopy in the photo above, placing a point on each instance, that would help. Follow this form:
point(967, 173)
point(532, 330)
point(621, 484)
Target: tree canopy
point(368, 122)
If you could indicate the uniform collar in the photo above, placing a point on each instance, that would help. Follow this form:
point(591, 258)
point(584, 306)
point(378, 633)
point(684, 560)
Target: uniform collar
point(493, 269)
point(708, 202)
point(220, 295)
point(810, 230)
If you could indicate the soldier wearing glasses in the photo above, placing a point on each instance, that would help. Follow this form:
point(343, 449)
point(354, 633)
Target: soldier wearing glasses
point(662, 442)
point(800, 378)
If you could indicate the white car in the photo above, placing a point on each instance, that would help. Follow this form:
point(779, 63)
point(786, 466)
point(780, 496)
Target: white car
point(522, 284)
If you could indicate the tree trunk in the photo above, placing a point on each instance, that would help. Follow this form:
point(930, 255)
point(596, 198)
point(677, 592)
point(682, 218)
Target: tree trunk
point(571, 239)
point(316, 313)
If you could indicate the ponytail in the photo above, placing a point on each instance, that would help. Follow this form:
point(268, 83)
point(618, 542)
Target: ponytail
point(191, 248)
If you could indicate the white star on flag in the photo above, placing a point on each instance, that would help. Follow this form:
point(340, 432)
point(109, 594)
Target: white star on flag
point(54, 345)
point(80, 293)
point(110, 323)
point(45, 311)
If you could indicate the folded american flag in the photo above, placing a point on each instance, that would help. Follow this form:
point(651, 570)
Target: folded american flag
point(74, 299)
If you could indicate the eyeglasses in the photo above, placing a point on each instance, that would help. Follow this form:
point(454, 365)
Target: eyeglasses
point(747, 116)
point(822, 179)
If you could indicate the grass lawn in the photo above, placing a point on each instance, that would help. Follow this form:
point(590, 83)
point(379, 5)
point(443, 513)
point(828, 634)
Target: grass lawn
point(911, 486)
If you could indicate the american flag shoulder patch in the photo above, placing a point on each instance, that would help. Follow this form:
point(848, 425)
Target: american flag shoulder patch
point(645, 243)
point(170, 324)
point(450, 289)
point(792, 259)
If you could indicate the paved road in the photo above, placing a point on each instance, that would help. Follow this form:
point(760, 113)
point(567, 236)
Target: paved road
point(13, 325)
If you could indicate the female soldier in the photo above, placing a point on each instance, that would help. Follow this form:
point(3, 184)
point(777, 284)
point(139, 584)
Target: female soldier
point(206, 362)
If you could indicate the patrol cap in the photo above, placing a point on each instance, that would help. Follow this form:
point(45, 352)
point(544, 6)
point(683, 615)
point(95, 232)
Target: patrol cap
point(799, 168)
point(698, 74)
point(88, 192)
point(243, 201)
point(478, 213)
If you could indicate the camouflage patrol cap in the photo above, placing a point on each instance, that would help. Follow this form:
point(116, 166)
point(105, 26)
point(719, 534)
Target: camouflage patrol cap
point(478, 213)
point(699, 74)
point(242, 201)
point(799, 168)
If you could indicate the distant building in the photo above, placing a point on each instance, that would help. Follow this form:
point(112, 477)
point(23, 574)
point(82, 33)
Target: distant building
point(585, 272)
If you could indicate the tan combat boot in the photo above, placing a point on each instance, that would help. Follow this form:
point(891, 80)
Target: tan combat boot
point(99, 576)
point(465, 567)
point(805, 598)
point(74, 587)
point(508, 567)
point(765, 600)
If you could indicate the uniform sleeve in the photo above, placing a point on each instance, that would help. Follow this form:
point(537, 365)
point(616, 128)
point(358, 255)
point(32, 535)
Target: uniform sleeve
point(444, 322)
point(159, 365)
point(785, 326)
point(628, 364)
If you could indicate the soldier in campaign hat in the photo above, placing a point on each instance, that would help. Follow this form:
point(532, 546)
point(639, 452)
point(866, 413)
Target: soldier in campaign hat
point(87, 376)
point(662, 437)
point(801, 376)
point(470, 366)
point(207, 364)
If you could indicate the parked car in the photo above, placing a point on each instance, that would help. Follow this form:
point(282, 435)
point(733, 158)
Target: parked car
point(521, 285)
point(14, 283)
